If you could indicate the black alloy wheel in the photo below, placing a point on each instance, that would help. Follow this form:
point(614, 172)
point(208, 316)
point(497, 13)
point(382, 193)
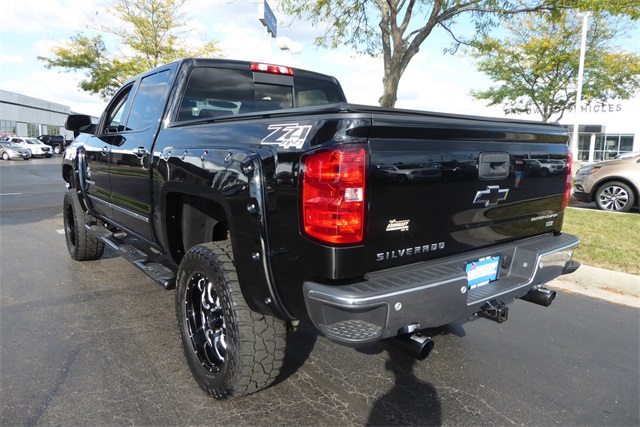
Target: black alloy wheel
point(231, 350)
point(82, 245)
point(205, 323)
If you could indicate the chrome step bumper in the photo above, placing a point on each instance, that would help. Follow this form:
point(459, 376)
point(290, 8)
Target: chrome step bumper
point(434, 293)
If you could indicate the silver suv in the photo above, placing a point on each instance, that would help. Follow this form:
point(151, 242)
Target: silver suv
point(613, 185)
point(552, 166)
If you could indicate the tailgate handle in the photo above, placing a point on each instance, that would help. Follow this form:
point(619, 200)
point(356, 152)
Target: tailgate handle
point(493, 165)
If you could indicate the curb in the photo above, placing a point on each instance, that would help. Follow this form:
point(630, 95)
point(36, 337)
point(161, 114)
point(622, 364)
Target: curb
point(613, 286)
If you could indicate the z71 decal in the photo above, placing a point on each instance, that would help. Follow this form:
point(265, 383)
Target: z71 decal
point(287, 135)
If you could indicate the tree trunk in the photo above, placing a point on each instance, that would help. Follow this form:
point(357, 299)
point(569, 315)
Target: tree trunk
point(390, 88)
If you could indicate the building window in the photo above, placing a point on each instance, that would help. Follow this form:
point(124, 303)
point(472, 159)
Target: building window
point(609, 146)
point(7, 128)
point(33, 130)
point(584, 145)
point(626, 143)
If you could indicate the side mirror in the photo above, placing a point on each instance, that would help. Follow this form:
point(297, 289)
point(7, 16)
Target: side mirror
point(79, 123)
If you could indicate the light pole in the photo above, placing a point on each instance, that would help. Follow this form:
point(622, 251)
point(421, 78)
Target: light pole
point(583, 46)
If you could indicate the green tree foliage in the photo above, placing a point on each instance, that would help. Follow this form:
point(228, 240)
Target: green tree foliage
point(395, 29)
point(152, 33)
point(627, 8)
point(535, 67)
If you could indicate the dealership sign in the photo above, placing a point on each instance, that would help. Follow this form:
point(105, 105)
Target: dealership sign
point(268, 19)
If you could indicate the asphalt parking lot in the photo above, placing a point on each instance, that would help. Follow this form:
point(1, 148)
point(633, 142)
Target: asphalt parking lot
point(95, 343)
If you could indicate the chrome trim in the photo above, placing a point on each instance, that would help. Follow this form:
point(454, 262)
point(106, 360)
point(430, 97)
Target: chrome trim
point(120, 209)
point(334, 299)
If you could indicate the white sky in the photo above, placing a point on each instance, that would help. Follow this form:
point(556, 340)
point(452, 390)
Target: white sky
point(434, 80)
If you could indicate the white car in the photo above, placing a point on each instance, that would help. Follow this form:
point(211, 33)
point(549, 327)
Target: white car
point(34, 146)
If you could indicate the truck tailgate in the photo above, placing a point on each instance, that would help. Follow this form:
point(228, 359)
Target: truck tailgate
point(443, 185)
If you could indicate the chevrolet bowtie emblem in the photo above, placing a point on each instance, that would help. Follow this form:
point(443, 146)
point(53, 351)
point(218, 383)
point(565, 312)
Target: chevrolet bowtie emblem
point(491, 196)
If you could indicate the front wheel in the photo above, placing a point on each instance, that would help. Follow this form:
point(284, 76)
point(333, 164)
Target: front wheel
point(615, 196)
point(57, 149)
point(231, 350)
point(82, 245)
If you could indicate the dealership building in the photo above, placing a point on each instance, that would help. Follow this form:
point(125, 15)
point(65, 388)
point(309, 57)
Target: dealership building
point(22, 115)
point(604, 130)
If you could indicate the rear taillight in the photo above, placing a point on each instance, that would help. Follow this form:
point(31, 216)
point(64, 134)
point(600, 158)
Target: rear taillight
point(333, 187)
point(567, 189)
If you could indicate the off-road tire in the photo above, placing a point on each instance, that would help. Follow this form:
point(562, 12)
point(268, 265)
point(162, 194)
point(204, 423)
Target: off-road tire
point(82, 245)
point(615, 196)
point(231, 350)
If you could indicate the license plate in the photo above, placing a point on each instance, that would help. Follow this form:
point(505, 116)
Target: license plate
point(483, 271)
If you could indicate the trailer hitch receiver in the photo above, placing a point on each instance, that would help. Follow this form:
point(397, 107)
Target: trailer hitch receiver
point(495, 310)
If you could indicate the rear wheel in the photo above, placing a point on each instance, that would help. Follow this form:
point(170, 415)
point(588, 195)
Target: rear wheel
point(5, 156)
point(615, 196)
point(82, 245)
point(231, 350)
point(57, 149)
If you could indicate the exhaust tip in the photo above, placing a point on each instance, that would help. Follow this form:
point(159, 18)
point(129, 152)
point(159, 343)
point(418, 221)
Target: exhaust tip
point(415, 345)
point(541, 296)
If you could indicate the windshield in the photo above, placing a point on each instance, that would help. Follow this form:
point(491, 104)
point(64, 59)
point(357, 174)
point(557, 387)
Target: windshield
point(11, 145)
point(33, 141)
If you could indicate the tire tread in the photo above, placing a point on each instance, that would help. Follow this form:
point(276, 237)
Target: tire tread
point(87, 246)
point(261, 338)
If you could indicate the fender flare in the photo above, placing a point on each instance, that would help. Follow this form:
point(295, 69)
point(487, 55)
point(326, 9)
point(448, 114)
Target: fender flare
point(236, 180)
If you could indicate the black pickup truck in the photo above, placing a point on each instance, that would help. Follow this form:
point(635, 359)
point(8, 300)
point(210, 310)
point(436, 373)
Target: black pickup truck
point(265, 200)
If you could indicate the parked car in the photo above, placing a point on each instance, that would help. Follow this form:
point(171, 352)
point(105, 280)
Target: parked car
point(613, 185)
point(428, 172)
point(532, 167)
point(56, 142)
point(392, 173)
point(35, 147)
point(627, 154)
point(11, 150)
point(548, 166)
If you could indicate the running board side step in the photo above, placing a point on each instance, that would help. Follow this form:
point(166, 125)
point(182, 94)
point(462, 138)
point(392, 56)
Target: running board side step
point(160, 274)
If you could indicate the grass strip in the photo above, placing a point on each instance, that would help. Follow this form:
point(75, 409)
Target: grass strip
point(608, 240)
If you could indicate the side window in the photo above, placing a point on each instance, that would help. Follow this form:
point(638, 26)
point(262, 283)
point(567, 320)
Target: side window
point(149, 101)
point(311, 92)
point(114, 119)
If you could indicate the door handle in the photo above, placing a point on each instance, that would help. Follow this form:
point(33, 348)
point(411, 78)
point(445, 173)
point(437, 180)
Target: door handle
point(140, 151)
point(105, 150)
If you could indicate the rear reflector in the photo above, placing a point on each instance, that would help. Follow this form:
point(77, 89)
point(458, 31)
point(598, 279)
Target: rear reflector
point(567, 189)
point(333, 192)
point(273, 69)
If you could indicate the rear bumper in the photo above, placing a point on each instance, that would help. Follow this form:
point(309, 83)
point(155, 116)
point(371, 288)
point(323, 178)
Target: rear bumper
point(433, 293)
